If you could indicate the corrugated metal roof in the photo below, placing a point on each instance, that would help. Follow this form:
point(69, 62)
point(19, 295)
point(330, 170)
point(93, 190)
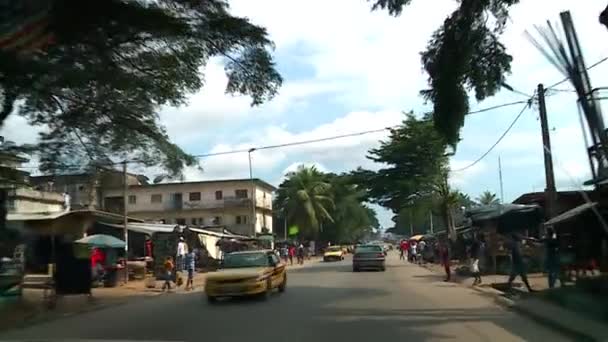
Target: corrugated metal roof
point(145, 228)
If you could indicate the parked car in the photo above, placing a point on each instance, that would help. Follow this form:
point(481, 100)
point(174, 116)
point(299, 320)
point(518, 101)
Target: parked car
point(247, 273)
point(369, 257)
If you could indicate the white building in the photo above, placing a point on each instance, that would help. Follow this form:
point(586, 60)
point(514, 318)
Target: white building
point(206, 203)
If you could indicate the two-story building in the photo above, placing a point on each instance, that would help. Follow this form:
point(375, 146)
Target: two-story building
point(227, 203)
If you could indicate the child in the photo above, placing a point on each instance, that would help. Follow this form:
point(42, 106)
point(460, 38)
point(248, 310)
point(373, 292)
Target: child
point(168, 273)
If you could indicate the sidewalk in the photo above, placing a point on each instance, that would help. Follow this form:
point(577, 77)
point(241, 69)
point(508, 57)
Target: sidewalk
point(30, 308)
point(582, 327)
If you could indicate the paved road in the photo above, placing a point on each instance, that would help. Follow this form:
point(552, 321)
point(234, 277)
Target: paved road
point(323, 302)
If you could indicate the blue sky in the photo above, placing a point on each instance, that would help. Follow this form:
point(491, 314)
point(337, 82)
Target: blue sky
point(348, 70)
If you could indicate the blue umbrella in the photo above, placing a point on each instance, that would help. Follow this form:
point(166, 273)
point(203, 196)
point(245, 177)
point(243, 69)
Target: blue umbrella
point(102, 241)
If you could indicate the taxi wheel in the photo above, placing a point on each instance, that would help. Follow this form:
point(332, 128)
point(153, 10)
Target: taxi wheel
point(266, 294)
point(283, 285)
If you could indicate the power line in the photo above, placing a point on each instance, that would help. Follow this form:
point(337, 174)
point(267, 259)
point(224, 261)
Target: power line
point(296, 143)
point(588, 68)
point(499, 139)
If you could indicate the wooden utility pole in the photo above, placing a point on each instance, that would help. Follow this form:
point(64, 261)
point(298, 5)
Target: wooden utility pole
point(550, 192)
point(125, 220)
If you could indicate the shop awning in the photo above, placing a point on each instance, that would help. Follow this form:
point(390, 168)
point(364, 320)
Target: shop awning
point(507, 217)
point(217, 234)
point(570, 214)
point(145, 228)
point(15, 217)
point(416, 237)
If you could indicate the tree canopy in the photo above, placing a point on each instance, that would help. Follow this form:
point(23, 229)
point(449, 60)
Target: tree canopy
point(414, 155)
point(464, 54)
point(327, 206)
point(98, 88)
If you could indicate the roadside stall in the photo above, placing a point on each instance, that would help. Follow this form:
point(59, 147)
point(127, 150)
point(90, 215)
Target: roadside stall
point(110, 269)
point(497, 222)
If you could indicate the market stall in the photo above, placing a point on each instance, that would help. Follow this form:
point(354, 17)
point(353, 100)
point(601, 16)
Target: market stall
point(496, 222)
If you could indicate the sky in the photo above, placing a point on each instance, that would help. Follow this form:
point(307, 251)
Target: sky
point(348, 70)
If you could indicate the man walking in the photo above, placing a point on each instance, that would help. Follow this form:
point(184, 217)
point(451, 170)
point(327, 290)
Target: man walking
point(518, 266)
point(182, 249)
point(474, 253)
point(190, 260)
point(444, 256)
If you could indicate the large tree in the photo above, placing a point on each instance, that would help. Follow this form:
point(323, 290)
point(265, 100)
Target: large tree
point(414, 156)
point(352, 219)
point(463, 55)
point(97, 89)
point(305, 198)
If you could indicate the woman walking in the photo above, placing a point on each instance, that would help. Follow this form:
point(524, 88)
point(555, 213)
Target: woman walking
point(168, 273)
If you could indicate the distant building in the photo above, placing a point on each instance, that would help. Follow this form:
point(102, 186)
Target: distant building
point(85, 189)
point(221, 202)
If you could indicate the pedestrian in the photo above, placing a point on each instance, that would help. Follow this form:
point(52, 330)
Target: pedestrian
point(190, 267)
point(300, 253)
point(474, 255)
point(518, 266)
point(421, 251)
point(552, 259)
point(284, 253)
point(292, 253)
point(404, 246)
point(168, 265)
point(413, 251)
point(444, 257)
point(182, 249)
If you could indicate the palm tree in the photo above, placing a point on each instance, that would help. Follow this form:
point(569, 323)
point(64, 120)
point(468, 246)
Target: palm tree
point(447, 200)
point(306, 198)
point(488, 198)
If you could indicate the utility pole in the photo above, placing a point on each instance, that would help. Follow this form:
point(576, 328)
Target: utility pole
point(502, 193)
point(411, 223)
point(431, 220)
point(125, 220)
point(253, 196)
point(550, 192)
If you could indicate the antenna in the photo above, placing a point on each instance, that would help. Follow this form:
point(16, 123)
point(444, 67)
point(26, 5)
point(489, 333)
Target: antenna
point(502, 193)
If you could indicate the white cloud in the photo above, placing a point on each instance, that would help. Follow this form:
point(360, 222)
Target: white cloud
point(461, 178)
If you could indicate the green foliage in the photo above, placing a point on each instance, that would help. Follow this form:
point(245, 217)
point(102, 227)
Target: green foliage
point(415, 156)
point(463, 54)
point(305, 198)
point(488, 198)
point(97, 91)
point(326, 206)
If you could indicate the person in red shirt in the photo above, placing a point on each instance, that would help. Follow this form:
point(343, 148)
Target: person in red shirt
point(404, 248)
point(98, 260)
point(292, 253)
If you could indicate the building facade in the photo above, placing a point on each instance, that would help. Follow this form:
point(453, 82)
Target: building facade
point(85, 189)
point(227, 203)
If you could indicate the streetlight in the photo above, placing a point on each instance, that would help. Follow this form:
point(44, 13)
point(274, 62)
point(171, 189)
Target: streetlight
point(253, 195)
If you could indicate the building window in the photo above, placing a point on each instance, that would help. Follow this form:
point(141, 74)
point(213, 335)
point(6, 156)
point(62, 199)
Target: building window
point(157, 198)
point(217, 220)
point(132, 199)
point(180, 221)
point(219, 195)
point(195, 196)
point(194, 221)
point(241, 193)
point(241, 219)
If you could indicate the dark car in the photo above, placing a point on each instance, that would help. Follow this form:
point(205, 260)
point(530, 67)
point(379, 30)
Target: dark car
point(369, 257)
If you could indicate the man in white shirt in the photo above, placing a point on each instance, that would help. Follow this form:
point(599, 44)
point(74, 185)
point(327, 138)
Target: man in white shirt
point(182, 250)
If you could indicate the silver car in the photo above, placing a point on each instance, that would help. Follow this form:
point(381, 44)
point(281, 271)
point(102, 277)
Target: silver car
point(369, 257)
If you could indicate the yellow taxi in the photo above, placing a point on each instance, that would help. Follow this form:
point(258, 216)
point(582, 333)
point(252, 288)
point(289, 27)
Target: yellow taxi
point(245, 274)
point(333, 253)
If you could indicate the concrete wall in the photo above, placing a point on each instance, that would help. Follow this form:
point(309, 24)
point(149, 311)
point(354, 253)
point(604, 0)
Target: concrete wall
point(24, 200)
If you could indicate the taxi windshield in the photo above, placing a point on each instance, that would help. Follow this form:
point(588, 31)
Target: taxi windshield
point(334, 249)
point(241, 260)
